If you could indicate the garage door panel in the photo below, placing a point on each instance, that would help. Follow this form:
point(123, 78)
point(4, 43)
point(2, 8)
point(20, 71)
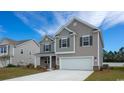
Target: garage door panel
point(76, 63)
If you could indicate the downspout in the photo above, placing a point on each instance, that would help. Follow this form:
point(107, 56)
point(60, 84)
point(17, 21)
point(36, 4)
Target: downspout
point(98, 53)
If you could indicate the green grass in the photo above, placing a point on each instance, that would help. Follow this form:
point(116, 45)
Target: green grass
point(8, 73)
point(112, 74)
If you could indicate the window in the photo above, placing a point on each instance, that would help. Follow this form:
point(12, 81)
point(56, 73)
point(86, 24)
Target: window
point(3, 50)
point(86, 40)
point(64, 43)
point(47, 47)
point(21, 51)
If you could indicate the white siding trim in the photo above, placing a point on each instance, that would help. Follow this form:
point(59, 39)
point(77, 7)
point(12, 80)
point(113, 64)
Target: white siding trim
point(85, 35)
point(98, 53)
point(65, 52)
point(74, 42)
point(50, 62)
point(35, 61)
point(55, 45)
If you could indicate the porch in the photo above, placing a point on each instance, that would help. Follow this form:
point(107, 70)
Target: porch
point(46, 60)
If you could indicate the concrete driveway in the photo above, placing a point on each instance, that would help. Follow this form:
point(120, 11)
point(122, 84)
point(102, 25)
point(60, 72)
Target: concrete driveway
point(56, 75)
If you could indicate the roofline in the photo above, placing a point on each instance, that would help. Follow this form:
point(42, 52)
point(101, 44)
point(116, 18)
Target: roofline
point(28, 41)
point(48, 37)
point(82, 21)
point(64, 27)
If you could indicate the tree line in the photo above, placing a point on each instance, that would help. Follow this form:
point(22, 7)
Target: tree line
point(114, 56)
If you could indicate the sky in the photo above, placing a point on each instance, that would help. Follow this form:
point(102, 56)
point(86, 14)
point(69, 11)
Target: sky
point(34, 25)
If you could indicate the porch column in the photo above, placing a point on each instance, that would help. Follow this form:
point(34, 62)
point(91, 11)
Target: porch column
point(56, 60)
point(50, 62)
point(35, 62)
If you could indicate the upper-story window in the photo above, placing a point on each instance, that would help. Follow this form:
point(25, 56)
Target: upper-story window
point(47, 47)
point(64, 43)
point(21, 51)
point(3, 49)
point(86, 40)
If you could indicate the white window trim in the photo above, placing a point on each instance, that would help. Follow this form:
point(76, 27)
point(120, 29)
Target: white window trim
point(66, 42)
point(65, 52)
point(45, 47)
point(83, 42)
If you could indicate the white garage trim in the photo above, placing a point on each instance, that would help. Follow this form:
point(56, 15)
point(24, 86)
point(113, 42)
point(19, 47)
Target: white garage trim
point(85, 57)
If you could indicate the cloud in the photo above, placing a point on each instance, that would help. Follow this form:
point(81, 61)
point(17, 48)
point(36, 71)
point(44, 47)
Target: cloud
point(39, 21)
point(49, 22)
point(103, 19)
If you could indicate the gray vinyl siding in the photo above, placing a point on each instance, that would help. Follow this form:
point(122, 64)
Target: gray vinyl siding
point(51, 42)
point(64, 34)
point(82, 29)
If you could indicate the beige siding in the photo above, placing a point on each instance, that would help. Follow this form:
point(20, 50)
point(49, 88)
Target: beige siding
point(25, 58)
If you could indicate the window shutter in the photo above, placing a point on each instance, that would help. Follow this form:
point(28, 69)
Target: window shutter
point(44, 47)
point(68, 42)
point(80, 41)
point(49, 47)
point(91, 40)
point(59, 43)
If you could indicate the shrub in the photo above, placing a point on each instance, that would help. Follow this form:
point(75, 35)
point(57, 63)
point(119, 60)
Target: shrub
point(41, 68)
point(105, 66)
point(11, 65)
point(30, 65)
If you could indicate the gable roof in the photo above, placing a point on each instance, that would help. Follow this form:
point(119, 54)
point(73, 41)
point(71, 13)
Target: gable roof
point(21, 41)
point(81, 21)
point(15, 42)
point(94, 28)
point(10, 41)
point(62, 28)
point(48, 36)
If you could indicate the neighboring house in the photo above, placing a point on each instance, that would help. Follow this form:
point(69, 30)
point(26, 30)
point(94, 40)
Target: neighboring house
point(20, 52)
point(78, 45)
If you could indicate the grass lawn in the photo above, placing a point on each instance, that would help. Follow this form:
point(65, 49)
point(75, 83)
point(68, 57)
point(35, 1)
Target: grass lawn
point(113, 74)
point(7, 73)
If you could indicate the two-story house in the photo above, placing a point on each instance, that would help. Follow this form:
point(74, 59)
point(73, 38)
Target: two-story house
point(20, 52)
point(77, 45)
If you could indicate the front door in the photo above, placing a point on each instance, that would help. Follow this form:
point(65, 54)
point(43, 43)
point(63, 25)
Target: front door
point(47, 62)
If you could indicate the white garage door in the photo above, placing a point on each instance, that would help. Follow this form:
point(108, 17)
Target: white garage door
point(76, 63)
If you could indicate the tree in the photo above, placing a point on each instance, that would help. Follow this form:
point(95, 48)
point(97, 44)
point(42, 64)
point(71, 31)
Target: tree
point(116, 56)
